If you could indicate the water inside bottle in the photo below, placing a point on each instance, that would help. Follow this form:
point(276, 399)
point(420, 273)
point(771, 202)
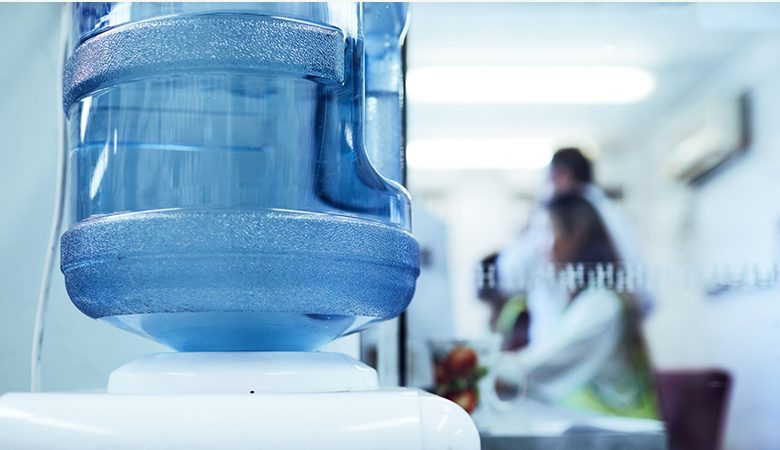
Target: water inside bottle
point(236, 331)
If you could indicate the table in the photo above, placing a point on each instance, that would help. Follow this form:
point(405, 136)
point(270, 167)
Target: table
point(591, 440)
point(532, 425)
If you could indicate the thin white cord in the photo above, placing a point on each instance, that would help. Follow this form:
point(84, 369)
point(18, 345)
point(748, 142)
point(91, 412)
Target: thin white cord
point(56, 225)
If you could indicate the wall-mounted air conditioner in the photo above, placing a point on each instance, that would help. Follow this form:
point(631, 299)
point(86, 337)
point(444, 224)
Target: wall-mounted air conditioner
point(720, 133)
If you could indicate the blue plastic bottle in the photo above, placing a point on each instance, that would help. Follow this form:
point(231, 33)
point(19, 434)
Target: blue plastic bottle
point(222, 194)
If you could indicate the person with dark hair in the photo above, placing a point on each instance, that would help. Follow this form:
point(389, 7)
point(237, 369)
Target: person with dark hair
point(570, 170)
point(595, 359)
point(579, 233)
point(523, 266)
point(508, 316)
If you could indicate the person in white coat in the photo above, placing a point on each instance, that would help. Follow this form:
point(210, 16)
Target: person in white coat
point(523, 267)
point(594, 357)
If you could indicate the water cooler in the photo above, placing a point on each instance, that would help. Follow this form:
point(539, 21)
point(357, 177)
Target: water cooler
point(233, 193)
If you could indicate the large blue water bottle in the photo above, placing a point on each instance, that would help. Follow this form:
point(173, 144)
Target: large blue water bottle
point(222, 194)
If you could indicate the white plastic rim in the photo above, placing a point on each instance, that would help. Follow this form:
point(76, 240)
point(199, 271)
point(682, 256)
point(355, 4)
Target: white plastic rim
point(242, 373)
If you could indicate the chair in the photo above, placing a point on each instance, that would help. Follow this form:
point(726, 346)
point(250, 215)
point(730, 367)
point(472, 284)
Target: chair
point(693, 406)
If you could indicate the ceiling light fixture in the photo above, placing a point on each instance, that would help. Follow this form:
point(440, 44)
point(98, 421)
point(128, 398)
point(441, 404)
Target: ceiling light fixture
point(528, 84)
point(479, 154)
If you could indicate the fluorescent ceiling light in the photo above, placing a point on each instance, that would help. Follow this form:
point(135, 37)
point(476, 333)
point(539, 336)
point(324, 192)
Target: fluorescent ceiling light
point(458, 154)
point(528, 84)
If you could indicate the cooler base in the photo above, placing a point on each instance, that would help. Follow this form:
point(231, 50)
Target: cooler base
point(237, 400)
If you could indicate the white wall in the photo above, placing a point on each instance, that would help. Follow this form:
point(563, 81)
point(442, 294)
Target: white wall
point(732, 219)
point(78, 351)
point(483, 212)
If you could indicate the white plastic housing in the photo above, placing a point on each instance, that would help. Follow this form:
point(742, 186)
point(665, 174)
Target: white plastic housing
point(239, 400)
point(387, 419)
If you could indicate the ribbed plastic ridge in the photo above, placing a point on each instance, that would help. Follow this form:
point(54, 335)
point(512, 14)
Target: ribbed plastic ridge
point(228, 280)
point(265, 260)
point(206, 42)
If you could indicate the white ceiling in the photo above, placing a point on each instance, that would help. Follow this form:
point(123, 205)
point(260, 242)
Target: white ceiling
point(679, 43)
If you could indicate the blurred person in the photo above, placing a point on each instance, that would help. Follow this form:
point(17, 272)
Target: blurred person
point(523, 266)
point(508, 315)
point(595, 358)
